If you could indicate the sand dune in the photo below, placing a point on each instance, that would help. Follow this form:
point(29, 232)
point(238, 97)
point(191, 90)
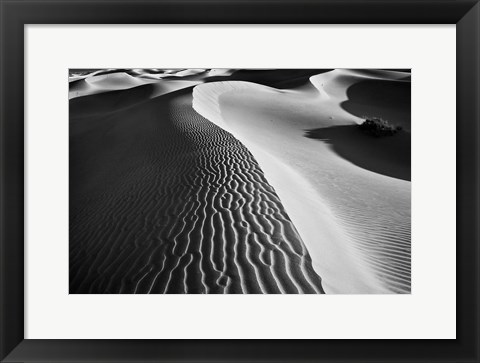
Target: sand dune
point(353, 217)
point(164, 201)
point(371, 93)
point(85, 83)
point(238, 181)
point(387, 156)
point(118, 100)
point(104, 83)
point(75, 75)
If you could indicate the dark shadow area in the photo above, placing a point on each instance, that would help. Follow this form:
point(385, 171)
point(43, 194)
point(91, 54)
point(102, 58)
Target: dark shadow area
point(109, 101)
point(278, 78)
point(390, 100)
point(388, 155)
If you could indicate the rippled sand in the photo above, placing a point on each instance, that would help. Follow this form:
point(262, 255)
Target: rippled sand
point(238, 181)
point(164, 201)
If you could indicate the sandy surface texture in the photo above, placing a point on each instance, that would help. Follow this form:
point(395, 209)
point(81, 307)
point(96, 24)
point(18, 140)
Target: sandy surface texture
point(239, 181)
point(348, 193)
point(164, 201)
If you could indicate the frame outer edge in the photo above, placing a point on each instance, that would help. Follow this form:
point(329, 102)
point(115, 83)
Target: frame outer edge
point(12, 179)
point(3, 329)
point(468, 179)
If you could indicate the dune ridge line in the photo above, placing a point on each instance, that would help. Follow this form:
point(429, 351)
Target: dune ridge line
point(357, 246)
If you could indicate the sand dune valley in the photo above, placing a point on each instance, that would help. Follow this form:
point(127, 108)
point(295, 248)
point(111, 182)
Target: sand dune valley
point(240, 181)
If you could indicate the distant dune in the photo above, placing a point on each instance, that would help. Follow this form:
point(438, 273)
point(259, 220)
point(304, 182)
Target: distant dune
point(103, 83)
point(239, 181)
point(85, 83)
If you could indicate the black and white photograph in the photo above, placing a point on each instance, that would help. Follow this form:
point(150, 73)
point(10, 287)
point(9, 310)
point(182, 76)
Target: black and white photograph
point(239, 181)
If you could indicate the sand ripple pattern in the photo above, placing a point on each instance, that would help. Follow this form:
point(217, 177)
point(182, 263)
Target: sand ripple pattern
point(382, 241)
point(370, 251)
point(164, 201)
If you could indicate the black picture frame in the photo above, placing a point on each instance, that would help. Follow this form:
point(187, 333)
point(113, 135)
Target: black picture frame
point(15, 14)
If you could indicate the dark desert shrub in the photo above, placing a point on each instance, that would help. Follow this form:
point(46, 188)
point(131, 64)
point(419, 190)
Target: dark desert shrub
point(378, 127)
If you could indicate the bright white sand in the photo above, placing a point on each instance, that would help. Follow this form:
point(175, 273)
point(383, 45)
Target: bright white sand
point(355, 222)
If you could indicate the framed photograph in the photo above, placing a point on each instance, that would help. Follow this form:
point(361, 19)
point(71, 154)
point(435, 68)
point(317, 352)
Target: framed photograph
point(239, 181)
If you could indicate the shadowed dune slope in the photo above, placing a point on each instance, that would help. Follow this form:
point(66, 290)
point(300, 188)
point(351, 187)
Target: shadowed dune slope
point(389, 156)
point(109, 102)
point(387, 99)
point(164, 201)
point(279, 78)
